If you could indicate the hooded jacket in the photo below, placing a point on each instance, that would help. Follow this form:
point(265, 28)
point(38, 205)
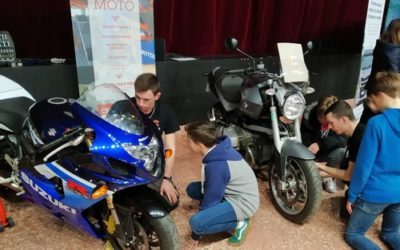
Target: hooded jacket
point(386, 56)
point(228, 176)
point(376, 175)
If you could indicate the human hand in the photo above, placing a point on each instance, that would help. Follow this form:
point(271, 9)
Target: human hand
point(191, 244)
point(349, 207)
point(314, 148)
point(285, 120)
point(320, 165)
point(323, 174)
point(169, 191)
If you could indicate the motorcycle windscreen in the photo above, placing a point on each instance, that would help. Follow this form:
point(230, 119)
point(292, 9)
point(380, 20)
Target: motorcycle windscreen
point(109, 103)
point(293, 66)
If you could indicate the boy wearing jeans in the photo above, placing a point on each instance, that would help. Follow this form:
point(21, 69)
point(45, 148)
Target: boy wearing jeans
point(228, 190)
point(374, 187)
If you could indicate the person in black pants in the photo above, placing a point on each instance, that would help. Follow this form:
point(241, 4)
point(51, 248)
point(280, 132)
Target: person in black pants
point(340, 118)
point(324, 143)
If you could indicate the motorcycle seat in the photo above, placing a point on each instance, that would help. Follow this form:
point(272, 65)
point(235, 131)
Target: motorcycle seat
point(13, 112)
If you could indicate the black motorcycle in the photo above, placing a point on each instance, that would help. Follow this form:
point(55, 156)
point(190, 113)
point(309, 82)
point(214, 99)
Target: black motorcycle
point(260, 112)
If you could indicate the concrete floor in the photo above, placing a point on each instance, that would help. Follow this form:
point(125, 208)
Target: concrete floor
point(35, 229)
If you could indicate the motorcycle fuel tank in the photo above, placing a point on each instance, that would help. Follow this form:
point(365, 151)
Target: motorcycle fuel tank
point(49, 119)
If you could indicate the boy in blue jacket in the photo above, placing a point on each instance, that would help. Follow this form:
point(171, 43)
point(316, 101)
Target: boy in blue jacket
point(228, 191)
point(374, 187)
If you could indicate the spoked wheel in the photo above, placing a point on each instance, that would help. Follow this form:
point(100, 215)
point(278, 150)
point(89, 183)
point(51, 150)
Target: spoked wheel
point(138, 241)
point(155, 233)
point(298, 196)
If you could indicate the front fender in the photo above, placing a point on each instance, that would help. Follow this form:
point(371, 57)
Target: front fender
point(294, 149)
point(147, 201)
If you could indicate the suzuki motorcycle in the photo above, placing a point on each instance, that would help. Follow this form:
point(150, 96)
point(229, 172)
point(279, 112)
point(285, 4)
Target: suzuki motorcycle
point(87, 162)
point(260, 112)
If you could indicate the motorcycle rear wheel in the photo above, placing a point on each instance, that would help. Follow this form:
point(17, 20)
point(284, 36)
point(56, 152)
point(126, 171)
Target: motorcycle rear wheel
point(298, 196)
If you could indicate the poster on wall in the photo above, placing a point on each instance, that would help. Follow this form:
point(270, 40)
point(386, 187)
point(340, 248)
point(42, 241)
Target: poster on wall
point(114, 41)
point(393, 12)
point(372, 30)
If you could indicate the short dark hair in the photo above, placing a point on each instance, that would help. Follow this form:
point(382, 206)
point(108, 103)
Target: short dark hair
point(387, 82)
point(341, 108)
point(147, 81)
point(202, 132)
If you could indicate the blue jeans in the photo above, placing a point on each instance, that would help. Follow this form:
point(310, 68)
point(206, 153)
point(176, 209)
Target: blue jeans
point(363, 216)
point(215, 219)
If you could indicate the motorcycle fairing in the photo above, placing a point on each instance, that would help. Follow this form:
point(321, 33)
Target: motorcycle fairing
point(109, 139)
point(14, 104)
point(293, 66)
point(13, 112)
point(68, 206)
point(100, 169)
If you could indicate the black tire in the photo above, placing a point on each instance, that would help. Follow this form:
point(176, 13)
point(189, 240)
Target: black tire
point(303, 194)
point(166, 230)
point(10, 222)
point(1, 228)
point(160, 233)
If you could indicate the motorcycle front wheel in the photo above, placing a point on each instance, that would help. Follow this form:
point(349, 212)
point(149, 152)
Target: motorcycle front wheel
point(153, 233)
point(298, 196)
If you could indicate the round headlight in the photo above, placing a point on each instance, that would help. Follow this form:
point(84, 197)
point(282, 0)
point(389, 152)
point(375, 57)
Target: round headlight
point(293, 106)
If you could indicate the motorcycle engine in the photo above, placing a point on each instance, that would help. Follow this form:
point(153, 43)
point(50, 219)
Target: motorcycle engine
point(234, 133)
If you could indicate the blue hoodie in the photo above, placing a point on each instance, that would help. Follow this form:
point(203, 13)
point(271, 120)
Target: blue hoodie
point(376, 176)
point(229, 177)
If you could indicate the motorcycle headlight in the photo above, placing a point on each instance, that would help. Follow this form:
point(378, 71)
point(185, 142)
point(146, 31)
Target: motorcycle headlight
point(147, 153)
point(293, 106)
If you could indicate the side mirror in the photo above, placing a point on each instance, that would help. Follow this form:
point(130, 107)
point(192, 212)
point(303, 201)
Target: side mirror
point(310, 45)
point(231, 43)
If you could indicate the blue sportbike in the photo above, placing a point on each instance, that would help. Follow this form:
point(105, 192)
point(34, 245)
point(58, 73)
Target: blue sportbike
point(88, 162)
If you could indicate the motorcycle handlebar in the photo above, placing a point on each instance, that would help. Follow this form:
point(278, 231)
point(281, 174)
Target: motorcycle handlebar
point(66, 137)
point(236, 71)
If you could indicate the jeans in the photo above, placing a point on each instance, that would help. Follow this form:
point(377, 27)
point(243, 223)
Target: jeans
point(333, 158)
point(215, 219)
point(363, 216)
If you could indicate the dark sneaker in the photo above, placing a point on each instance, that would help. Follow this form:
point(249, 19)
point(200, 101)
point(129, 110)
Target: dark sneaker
point(240, 234)
point(329, 185)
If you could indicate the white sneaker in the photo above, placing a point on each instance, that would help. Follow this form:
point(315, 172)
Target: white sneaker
point(329, 185)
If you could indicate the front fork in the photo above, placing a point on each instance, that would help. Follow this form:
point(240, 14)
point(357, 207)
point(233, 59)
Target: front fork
point(287, 146)
point(122, 230)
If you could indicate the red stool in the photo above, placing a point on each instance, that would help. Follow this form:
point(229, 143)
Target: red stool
point(4, 220)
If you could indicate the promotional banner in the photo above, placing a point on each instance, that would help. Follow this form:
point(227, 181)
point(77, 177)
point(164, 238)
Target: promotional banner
point(372, 32)
point(114, 41)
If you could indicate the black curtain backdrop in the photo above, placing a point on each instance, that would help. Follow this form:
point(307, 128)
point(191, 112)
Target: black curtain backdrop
point(42, 28)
